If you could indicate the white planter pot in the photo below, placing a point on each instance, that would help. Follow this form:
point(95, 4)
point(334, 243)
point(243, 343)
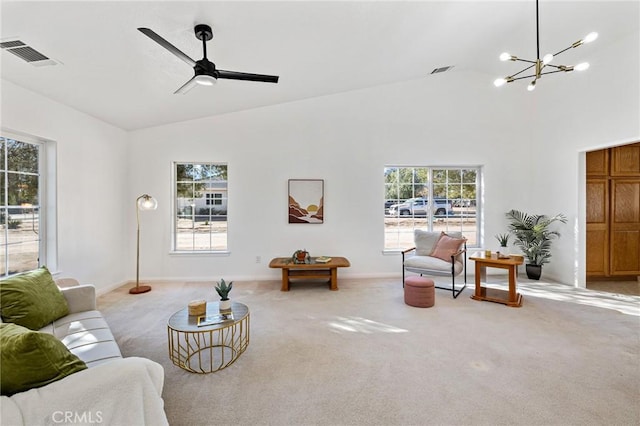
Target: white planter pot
point(225, 306)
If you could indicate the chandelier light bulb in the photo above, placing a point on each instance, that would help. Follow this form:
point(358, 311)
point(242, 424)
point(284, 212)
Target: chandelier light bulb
point(499, 82)
point(582, 66)
point(532, 86)
point(547, 58)
point(590, 37)
point(504, 56)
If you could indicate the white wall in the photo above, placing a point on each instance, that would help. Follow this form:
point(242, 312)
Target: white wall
point(583, 112)
point(531, 146)
point(531, 149)
point(91, 177)
point(345, 139)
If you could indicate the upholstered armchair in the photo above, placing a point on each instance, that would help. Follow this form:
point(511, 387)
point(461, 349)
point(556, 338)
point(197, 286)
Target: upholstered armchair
point(439, 254)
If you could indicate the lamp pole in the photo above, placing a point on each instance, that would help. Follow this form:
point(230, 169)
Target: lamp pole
point(143, 202)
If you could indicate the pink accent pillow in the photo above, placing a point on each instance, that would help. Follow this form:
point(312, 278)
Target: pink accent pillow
point(446, 246)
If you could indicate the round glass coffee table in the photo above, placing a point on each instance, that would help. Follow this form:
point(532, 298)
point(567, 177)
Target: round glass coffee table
point(211, 342)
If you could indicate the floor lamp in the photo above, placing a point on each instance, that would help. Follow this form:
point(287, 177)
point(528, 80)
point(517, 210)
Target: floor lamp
point(143, 202)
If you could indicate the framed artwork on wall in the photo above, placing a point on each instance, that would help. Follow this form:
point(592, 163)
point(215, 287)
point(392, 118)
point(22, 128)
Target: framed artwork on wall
point(306, 200)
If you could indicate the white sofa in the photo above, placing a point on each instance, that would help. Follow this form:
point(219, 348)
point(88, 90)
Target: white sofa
point(112, 391)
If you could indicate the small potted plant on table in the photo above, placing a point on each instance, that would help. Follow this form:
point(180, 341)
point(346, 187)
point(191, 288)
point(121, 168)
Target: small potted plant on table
point(503, 239)
point(223, 289)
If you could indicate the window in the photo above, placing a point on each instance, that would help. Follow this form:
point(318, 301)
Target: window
point(408, 206)
point(214, 199)
point(201, 197)
point(21, 239)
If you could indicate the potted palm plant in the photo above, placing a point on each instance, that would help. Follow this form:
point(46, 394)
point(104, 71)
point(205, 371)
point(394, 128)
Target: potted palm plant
point(532, 234)
point(223, 289)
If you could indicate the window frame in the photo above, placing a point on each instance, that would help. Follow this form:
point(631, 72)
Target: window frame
point(174, 250)
point(47, 198)
point(429, 219)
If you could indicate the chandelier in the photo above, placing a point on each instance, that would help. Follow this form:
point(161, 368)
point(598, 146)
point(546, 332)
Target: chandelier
point(544, 66)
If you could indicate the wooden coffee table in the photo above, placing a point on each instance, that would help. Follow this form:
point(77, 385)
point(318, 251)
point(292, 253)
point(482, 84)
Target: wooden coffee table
point(510, 298)
point(309, 270)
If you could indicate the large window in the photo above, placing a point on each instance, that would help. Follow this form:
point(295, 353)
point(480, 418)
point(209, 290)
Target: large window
point(21, 244)
point(430, 198)
point(201, 198)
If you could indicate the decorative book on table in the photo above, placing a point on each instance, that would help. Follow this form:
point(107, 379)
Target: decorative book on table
point(323, 259)
point(213, 319)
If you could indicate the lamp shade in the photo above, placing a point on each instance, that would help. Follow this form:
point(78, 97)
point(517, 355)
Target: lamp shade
point(147, 202)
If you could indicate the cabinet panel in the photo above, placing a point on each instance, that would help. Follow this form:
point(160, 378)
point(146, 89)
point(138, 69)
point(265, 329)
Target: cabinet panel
point(598, 251)
point(598, 163)
point(625, 201)
point(625, 257)
point(625, 227)
point(625, 160)
point(597, 201)
point(597, 227)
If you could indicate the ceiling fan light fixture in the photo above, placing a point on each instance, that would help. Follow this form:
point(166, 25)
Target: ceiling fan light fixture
point(205, 80)
point(206, 73)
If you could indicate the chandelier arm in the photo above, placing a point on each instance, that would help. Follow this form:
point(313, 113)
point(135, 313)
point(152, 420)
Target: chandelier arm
point(523, 77)
point(521, 71)
point(563, 50)
point(524, 60)
point(551, 72)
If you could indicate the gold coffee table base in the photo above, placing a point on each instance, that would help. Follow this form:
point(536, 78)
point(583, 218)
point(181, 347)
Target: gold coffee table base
point(211, 348)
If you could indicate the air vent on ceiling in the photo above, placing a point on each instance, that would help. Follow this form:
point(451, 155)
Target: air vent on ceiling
point(442, 69)
point(26, 53)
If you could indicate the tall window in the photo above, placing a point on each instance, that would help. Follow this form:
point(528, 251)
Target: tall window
point(20, 236)
point(201, 197)
point(430, 198)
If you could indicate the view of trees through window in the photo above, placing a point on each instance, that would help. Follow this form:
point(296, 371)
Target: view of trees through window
point(200, 224)
point(429, 198)
point(19, 206)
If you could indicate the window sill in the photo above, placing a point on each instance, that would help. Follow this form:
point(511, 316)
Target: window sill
point(201, 253)
point(391, 252)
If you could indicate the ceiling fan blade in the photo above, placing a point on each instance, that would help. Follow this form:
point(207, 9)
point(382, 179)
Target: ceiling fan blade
point(234, 75)
point(170, 47)
point(186, 87)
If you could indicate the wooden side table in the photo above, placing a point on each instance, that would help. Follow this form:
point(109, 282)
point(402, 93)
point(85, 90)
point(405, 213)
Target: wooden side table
point(510, 298)
point(328, 270)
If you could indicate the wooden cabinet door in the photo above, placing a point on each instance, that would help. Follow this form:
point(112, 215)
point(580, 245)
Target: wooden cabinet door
point(598, 163)
point(597, 227)
point(625, 160)
point(625, 227)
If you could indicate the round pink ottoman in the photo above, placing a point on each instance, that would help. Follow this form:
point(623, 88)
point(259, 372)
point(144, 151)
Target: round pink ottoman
point(419, 291)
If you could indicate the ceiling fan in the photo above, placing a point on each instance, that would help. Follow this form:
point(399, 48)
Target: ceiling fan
point(206, 72)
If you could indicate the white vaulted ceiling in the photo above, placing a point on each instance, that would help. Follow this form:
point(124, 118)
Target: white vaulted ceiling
point(111, 71)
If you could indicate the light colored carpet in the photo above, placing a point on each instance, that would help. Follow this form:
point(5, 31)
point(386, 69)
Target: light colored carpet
point(360, 356)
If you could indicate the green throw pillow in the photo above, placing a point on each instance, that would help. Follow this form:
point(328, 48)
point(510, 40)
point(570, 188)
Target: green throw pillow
point(32, 299)
point(31, 359)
